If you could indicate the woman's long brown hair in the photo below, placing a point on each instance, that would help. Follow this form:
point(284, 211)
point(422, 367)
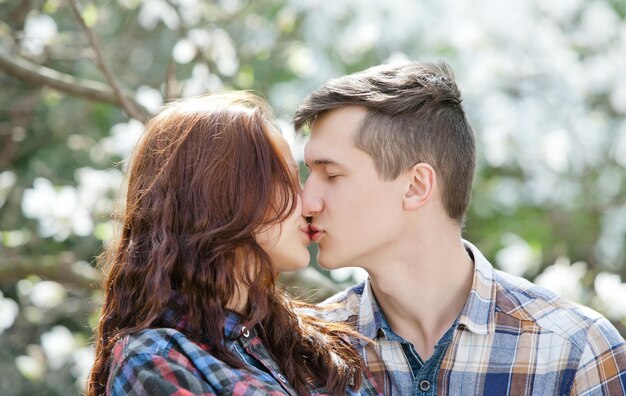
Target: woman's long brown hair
point(201, 181)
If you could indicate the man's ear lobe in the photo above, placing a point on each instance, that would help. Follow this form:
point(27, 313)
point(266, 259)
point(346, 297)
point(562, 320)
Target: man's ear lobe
point(421, 185)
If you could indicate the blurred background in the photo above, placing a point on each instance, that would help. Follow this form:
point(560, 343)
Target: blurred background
point(543, 84)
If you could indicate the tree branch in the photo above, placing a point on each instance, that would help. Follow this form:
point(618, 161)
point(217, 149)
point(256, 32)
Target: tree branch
point(128, 106)
point(32, 73)
point(171, 85)
point(63, 269)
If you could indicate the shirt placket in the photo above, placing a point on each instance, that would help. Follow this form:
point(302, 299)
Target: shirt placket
point(252, 344)
point(425, 373)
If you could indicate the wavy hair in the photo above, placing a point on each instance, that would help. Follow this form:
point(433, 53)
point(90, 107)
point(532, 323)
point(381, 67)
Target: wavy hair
point(204, 177)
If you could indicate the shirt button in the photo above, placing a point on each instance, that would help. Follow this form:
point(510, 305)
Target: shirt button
point(281, 378)
point(424, 385)
point(245, 332)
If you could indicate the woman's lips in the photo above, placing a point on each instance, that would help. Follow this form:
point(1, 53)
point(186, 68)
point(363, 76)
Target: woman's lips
point(306, 231)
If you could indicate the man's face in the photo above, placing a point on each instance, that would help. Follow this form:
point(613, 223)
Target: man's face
point(358, 216)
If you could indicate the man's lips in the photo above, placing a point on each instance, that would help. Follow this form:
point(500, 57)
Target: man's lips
point(316, 233)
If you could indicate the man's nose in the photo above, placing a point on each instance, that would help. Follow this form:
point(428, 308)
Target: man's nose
point(312, 203)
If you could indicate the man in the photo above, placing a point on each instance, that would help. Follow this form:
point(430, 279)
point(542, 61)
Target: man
point(392, 157)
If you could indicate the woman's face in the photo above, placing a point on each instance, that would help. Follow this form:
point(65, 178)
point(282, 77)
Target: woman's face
point(286, 243)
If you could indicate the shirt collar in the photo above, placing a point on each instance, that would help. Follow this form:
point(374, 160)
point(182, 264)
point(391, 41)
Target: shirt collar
point(476, 316)
point(371, 320)
point(234, 324)
point(479, 311)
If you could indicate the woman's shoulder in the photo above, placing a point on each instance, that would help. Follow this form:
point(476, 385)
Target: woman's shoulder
point(141, 359)
point(157, 361)
point(160, 346)
point(156, 341)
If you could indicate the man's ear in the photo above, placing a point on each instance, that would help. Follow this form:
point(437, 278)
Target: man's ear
point(422, 180)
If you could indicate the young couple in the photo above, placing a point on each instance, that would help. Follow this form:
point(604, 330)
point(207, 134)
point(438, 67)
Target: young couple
point(214, 210)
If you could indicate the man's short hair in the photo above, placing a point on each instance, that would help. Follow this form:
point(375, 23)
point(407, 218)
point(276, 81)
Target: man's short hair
point(414, 114)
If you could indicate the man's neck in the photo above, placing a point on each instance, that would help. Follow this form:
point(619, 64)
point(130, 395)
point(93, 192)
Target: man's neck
point(423, 292)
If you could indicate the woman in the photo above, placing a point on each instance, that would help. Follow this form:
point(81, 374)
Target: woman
point(212, 214)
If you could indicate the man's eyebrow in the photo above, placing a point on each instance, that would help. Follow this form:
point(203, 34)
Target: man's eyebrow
point(324, 161)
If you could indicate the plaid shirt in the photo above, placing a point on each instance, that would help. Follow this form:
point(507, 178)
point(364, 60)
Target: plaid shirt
point(163, 361)
point(511, 338)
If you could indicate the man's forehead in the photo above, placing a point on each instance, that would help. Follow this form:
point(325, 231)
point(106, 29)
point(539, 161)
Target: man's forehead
point(312, 151)
point(332, 135)
point(318, 152)
point(352, 114)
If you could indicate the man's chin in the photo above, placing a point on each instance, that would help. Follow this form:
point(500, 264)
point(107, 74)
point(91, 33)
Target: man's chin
point(329, 264)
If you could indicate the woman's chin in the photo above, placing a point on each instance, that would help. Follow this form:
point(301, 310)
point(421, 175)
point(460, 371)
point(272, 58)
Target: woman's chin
point(294, 265)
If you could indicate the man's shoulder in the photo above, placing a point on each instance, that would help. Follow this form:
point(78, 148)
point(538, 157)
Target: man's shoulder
point(344, 305)
point(526, 301)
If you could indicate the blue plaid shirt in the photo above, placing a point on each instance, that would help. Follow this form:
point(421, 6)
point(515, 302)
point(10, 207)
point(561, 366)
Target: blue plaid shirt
point(511, 338)
point(423, 374)
point(163, 361)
